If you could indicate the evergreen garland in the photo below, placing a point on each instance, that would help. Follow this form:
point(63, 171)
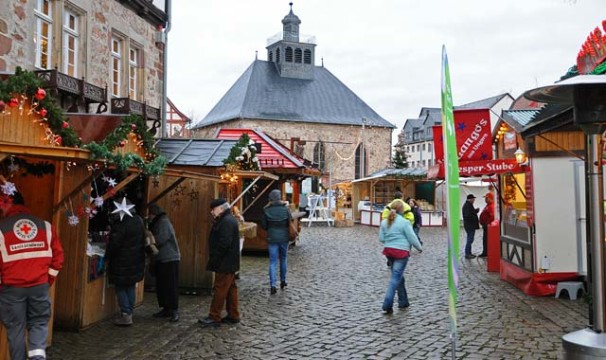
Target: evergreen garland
point(26, 83)
point(243, 155)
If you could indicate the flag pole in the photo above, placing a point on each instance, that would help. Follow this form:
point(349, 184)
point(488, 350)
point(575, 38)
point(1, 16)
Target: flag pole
point(451, 167)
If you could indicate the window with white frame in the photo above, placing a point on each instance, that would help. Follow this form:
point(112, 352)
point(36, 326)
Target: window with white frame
point(71, 39)
point(44, 33)
point(116, 65)
point(133, 73)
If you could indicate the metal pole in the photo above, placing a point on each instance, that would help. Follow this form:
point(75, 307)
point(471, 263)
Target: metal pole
point(168, 6)
point(595, 211)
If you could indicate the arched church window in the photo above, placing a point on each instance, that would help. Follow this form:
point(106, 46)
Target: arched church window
point(307, 56)
point(361, 162)
point(298, 56)
point(320, 155)
point(288, 54)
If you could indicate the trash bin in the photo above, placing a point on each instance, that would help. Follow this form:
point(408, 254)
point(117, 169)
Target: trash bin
point(493, 261)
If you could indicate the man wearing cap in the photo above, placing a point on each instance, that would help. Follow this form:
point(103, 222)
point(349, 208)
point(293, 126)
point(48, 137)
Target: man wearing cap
point(486, 217)
point(224, 261)
point(30, 259)
point(470, 223)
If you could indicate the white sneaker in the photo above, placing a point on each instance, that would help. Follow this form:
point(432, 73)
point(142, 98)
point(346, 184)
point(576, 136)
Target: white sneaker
point(124, 320)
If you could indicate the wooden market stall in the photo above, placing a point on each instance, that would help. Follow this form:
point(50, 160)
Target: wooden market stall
point(370, 195)
point(281, 169)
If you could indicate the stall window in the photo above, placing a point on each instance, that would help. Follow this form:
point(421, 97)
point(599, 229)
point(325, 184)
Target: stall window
point(515, 222)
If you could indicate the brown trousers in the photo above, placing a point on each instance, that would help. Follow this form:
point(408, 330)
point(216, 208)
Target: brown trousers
point(225, 293)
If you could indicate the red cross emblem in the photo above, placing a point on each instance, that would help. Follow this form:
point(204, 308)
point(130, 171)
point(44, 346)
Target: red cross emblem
point(25, 229)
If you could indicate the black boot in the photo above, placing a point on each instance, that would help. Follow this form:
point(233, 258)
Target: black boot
point(283, 285)
point(273, 290)
point(174, 316)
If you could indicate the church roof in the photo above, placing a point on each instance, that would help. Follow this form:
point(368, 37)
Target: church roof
point(261, 93)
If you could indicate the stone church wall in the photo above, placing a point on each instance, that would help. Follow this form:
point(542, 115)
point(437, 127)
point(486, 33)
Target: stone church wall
point(340, 142)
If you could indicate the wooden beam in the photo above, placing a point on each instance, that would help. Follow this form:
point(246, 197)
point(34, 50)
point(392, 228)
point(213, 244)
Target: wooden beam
point(191, 175)
point(166, 191)
point(258, 196)
point(121, 185)
point(254, 174)
point(50, 152)
point(77, 189)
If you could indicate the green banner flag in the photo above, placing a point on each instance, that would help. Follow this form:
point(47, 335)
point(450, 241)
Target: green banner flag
point(453, 218)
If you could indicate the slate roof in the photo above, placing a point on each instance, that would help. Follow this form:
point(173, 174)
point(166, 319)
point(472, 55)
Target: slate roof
point(200, 152)
point(484, 103)
point(261, 93)
point(518, 119)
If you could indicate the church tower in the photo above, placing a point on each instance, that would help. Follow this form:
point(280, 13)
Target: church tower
point(292, 53)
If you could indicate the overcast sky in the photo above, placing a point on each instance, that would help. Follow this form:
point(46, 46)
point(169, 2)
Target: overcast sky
point(386, 51)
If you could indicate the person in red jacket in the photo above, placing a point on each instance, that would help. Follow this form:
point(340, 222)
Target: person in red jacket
point(30, 259)
point(486, 217)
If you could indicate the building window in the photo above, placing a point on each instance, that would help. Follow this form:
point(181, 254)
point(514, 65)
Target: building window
point(270, 56)
point(278, 55)
point(71, 37)
point(298, 56)
point(288, 54)
point(116, 66)
point(430, 147)
point(307, 56)
point(423, 146)
point(320, 155)
point(133, 73)
point(43, 36)
point(361, 162)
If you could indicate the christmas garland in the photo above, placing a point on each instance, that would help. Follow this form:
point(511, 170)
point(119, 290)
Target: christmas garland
point(243, 155)
point(26, 86)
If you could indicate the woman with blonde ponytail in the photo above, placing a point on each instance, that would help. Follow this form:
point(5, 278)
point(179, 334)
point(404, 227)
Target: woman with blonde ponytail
point(397, 236)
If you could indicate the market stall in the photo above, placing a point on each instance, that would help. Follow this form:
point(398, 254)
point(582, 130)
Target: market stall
point(277, 168)
point(370, 195)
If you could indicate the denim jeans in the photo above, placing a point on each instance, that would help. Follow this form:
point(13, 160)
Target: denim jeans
point(396, 283)
point(417, 229)
point(470, 235)
point(126, 298)
point(276, 249)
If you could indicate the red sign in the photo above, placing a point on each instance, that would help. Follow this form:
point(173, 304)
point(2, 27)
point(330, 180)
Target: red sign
point(474, 138)
point(478, 168)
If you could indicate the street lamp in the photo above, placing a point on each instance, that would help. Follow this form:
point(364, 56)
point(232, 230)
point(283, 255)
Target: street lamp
point(521, 157)
point(586, 94)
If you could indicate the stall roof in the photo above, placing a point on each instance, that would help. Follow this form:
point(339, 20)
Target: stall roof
point(273, 154)
point(195, 152)
point(416, 173)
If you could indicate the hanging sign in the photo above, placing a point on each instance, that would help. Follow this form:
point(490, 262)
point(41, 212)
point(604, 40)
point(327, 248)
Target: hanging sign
point(473, 135)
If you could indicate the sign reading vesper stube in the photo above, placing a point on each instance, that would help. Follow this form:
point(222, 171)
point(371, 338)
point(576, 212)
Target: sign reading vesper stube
point(472, 128)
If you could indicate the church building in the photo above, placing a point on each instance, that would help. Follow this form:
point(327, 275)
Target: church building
point(305, 107)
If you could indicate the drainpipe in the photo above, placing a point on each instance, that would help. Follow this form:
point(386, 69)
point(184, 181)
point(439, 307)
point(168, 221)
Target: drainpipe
point(167, 9)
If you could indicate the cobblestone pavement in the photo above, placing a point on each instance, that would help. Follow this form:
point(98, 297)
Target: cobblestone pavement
point(332, 310)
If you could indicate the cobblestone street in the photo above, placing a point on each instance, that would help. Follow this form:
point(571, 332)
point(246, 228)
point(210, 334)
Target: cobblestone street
point(332, 310)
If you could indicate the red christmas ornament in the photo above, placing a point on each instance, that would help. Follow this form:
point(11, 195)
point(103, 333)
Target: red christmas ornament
point(122, 143)
point(40, 94)
point(58, 139)
point(43, 112)
point(65, 125)
point(133, 127)
point(13, 102)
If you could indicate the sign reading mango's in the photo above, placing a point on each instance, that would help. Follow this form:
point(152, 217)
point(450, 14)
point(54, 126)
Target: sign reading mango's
point(472, 130)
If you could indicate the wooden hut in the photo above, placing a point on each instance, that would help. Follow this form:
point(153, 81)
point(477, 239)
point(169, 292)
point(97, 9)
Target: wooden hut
point(279, 166)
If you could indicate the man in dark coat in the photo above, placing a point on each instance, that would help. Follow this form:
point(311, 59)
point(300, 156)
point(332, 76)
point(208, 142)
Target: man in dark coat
point(471, 223)
point(125, 256)
point(224, 261)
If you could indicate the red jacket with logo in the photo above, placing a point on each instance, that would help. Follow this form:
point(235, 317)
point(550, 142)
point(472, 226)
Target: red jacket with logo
point(30, 251)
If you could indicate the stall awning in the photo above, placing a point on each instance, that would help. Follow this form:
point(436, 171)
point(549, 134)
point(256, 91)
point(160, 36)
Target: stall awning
point(408, 173)
point(478, 168)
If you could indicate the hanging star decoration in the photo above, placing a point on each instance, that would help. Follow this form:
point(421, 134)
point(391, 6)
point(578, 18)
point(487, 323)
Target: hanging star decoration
point(156, 181)
point(193, 195)
point(73, 220)
point(98, 201)
point(8, 188)
point(111, 182)
point(123, 208)
point(13, 167)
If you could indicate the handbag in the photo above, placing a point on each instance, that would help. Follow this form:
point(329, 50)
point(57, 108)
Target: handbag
point(292, 230)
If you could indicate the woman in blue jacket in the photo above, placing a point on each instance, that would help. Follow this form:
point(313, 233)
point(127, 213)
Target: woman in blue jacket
point(398, 237)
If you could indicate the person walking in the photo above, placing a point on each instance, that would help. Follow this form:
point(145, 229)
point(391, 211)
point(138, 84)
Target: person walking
point(31, 257)
point(166, 263)
point(416, 210)
point(470, 223)
point(407, 210)
point(125, 257)
point(486, 217)
point(224, 261)
point(398, 237)
point(276, 219)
